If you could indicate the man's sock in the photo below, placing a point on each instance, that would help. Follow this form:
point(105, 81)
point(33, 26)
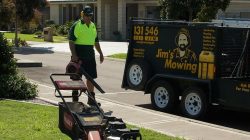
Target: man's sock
point(90, 100)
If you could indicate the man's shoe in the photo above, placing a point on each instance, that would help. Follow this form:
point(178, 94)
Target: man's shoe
point(99, 104)
point(92, 103)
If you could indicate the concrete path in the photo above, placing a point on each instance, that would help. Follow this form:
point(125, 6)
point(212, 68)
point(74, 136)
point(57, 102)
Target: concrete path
point(161, 122)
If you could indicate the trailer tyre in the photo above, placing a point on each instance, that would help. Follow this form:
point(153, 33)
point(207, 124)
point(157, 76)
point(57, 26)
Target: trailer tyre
point(163, 97)
point(194, 103)
point(137, 74)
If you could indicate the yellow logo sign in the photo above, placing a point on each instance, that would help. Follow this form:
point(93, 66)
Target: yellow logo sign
point(180, 58)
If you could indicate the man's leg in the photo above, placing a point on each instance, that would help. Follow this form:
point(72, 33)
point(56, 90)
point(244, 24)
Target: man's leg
point(75, 97)
point(90, 86)
point(89, 66)
point(91, 92)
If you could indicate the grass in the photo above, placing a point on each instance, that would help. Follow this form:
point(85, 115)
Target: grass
point(31, 37)
point(119, 56)
point(151, 135)
point(30, 121)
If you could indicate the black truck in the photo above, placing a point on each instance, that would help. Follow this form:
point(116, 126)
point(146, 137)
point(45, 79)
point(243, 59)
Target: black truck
point(194, 65)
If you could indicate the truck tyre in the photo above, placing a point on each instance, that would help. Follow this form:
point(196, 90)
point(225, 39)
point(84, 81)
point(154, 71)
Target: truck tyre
point(163, 97)
point(137, 74)
point(194, 103)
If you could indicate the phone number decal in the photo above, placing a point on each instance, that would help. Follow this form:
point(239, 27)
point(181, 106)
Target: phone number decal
point(146, 34)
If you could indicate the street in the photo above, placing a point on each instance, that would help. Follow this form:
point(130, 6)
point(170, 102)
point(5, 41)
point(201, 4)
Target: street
point(110, 75)
point(110, 72)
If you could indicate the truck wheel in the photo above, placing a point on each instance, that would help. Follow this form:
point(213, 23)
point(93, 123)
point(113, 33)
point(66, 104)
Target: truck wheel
point(137, 74)
point(162, 96)
point(194, 103)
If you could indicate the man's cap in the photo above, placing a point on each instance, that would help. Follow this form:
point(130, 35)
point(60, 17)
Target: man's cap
point(88, 11)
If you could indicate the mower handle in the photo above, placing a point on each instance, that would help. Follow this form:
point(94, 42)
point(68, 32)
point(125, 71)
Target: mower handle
point(74, 74)
point(91, 80)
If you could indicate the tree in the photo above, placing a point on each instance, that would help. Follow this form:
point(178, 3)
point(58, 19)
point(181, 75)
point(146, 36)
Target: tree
point(23, 10)
point(210, 8)
point(26, 8)
point(199, 10)
point(6, 12)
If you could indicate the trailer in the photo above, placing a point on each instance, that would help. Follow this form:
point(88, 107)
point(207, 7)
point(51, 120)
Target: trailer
point(188, 64)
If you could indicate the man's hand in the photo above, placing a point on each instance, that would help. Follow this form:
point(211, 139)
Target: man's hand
point(74, 58)
point(98, 48)
point(101, 58)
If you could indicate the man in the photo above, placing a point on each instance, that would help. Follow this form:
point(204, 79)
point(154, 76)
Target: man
point(182, 53)
point(82, 38)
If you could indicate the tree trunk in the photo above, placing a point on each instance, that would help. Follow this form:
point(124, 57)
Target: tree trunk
point(190, 11)
point(16, 26)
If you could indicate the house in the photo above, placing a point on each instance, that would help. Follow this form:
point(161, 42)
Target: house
point(236, 9)
point(111, 16)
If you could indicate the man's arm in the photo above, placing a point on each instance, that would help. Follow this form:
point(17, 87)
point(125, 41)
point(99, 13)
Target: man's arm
point(73, 51)
point(72, 38)
point(99, 50)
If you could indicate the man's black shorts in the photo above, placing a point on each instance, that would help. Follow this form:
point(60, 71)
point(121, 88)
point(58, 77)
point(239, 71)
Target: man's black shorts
point(89, 65)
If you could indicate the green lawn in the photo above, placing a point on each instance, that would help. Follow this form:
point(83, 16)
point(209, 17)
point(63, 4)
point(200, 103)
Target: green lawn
point(151, 135)
point(119, 56)
point(29, 121)
point(31, 37)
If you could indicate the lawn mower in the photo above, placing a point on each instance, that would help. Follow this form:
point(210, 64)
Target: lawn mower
point(82, 121)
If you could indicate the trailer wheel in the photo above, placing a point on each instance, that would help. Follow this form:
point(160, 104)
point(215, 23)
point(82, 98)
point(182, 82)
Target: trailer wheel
point(137, 74)
point(194, 103)
point(162, 96)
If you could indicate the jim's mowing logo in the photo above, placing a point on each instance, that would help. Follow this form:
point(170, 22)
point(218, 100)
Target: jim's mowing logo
point(180, 58)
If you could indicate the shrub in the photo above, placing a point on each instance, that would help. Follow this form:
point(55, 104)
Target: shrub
point(16, 87)
point(12, 85)
point(54, 28)
point(21, 43)
point(61, 30)
point(27, 31)
point(69, 24)
point(49, 22)
point(38, 33)
point(7, 61)
point(64, 29)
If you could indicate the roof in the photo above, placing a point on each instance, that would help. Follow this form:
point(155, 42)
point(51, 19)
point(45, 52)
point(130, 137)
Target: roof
point(71, 1)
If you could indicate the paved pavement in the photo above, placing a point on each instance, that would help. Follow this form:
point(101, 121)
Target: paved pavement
point(108, 48)
point(157, 121)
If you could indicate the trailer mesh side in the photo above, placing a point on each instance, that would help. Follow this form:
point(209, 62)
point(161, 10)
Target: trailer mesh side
point(234, 58)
